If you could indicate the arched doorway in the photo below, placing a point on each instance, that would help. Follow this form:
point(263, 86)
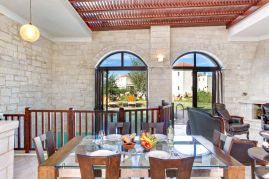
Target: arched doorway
point(197, 80)
point(121, 81)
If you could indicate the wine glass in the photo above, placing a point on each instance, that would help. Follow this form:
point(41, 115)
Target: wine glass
point(101, 135)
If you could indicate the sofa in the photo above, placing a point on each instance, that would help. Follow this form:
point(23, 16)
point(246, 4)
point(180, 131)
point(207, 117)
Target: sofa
point(203, 123)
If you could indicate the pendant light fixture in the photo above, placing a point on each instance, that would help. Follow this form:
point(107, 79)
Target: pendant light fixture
point(29, 32)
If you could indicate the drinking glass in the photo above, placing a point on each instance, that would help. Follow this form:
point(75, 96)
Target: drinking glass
point(101, 135)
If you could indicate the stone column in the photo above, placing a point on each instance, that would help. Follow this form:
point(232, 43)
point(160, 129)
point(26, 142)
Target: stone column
point(160, 73)
point(7, 129)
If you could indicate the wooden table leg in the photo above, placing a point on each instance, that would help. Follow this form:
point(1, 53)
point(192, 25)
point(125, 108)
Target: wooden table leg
point(47, 172)
point(252, 165)
point(234, 172)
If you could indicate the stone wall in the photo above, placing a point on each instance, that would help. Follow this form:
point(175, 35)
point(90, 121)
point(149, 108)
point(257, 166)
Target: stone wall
point(258, 86)
point(73, 70)
point(62, 74)
point(25, 70)
point(236, 58)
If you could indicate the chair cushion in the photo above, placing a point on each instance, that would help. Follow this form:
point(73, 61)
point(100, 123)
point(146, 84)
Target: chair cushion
point(262, 172)
point(265, 127)
point(225, 115)
point(239, 127)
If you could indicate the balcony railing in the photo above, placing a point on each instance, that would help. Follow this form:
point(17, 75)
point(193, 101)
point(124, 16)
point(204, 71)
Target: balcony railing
point(66, 124)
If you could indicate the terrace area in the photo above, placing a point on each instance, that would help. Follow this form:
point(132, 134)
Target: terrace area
point(132, 83)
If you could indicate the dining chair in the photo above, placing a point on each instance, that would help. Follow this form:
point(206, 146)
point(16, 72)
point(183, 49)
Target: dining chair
point(219, 139)
point(38, 141)
point(262, 172)
point(153, 127)
point(87, 163)
point(123, 127)
point(183, 167)
point(238, 149)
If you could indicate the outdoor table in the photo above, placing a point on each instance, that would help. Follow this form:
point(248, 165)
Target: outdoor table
point(209, 161)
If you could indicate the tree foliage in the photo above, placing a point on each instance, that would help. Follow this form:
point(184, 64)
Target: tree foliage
point(138, 78)
point(204, 97)
point(112, 88)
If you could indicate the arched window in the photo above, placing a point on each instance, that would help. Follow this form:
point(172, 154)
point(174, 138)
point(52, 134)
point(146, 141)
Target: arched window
point(200, 78)
point(121, 81)
point(196, 60)
point(122, 59)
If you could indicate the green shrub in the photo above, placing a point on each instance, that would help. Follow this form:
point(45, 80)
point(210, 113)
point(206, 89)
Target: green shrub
point(204, 97)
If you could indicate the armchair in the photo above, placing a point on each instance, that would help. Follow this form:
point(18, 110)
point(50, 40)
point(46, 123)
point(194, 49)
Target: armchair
point(234, 125)
point(265, 117)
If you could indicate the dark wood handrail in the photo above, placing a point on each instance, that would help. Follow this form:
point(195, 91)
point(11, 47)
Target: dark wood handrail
point(141, 109)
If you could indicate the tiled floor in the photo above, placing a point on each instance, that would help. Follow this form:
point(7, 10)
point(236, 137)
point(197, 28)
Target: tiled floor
point(26, 164)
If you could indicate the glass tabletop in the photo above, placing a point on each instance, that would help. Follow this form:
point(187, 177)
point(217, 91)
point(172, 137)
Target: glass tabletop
point(183, 146)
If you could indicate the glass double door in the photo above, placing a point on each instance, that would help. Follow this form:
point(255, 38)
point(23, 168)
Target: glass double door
point(194, 88)
point(121, 89)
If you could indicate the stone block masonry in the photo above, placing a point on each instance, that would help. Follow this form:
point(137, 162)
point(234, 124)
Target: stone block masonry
point(50, 74)
point(25, 70)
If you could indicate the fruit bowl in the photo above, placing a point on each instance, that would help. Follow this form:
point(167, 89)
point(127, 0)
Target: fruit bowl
point(128, 141)
point(128, 146)
point(147, 141)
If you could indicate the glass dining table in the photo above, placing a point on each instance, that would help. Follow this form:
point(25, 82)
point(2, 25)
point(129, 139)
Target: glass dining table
point(210, 161)
point(137, 158)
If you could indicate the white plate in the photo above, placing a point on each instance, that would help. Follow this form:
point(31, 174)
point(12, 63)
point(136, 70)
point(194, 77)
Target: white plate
point(158, 154)
point(160, 137)
point(113, 137)
point(102, 153)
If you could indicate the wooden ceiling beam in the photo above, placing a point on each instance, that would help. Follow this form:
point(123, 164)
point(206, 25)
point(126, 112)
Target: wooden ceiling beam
point(249, 11)
point(161, 8)
point(158, 22)
point(161, 15)
point(164, 5)
point(160, 19)
point(133, 14)
point(148, 26)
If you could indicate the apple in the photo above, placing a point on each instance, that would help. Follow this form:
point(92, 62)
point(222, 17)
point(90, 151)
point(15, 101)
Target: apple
point(147, 145)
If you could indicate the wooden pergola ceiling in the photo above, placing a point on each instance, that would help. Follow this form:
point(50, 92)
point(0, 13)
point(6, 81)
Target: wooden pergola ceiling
point(139, 14)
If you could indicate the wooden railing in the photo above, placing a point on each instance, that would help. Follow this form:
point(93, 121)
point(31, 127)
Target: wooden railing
point(137, 116)
point(67, 124)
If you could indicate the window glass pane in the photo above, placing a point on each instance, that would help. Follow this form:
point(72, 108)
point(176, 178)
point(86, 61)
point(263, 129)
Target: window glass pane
point(131, 60)
point(112, 61)
point(185, 61)
point(204, 61)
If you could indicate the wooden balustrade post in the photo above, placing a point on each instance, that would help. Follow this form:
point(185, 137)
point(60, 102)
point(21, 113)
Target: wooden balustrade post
point(160, 114)
point(70, 124)
point(172, 115)
point(27, 130)
point(121, 115)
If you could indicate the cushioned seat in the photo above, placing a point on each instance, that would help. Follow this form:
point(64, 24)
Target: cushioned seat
point(262, 172)
point(239, 127)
